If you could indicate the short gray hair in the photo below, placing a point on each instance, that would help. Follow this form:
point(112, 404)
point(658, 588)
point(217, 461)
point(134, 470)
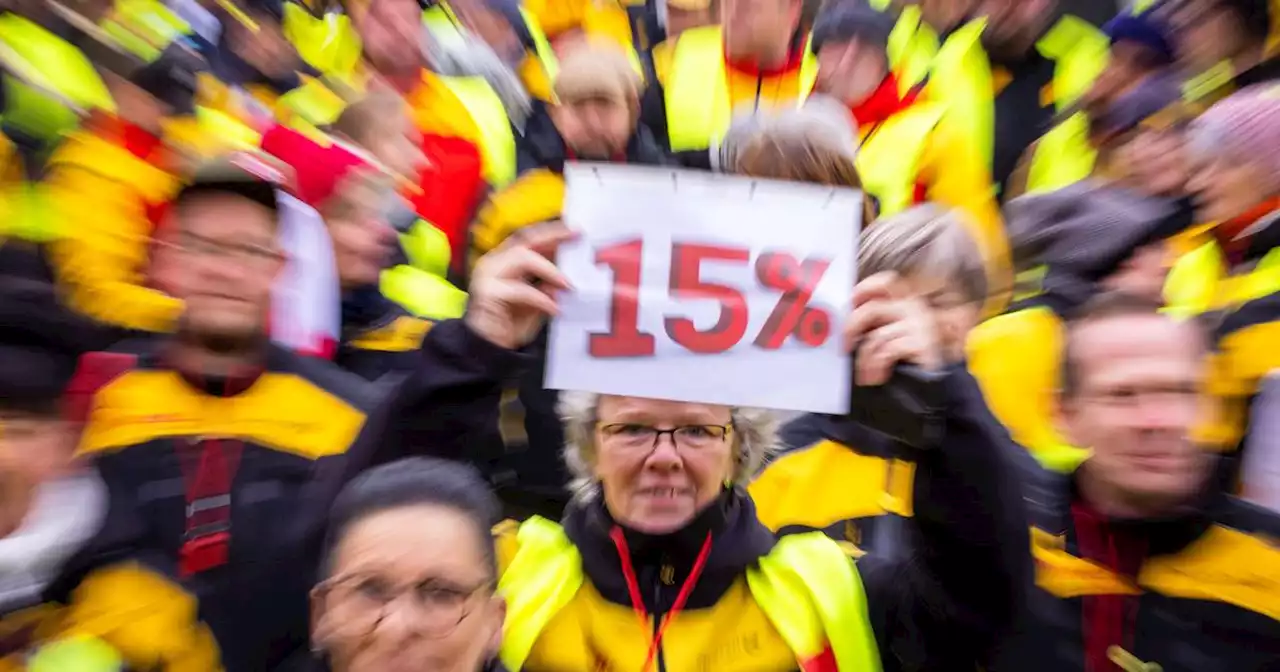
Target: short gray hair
point(822, 122)
point(925, 238)
point(755, 439)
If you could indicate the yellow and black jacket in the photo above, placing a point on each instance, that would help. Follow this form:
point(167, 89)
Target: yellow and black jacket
point(192, 567)
point(1195, 592)
point(537, 195)
point(942, 603)
point(378, 336)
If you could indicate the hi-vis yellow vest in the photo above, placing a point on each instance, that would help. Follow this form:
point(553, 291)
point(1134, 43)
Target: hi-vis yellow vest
point(328, 43)
point(47, 73)
point(889, 159)
point(807, 587)
point(912, 45)
point(961, 78)
point(421, 286)
point(697, 94)
point(497, 139)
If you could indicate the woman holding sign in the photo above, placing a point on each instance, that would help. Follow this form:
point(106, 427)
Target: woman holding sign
point(662, 563)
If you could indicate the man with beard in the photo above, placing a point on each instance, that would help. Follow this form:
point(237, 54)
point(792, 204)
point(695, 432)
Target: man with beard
point(221, 452)
point(1017, 72)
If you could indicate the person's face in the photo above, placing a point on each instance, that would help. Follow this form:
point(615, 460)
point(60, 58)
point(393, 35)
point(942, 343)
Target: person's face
point(1155, 163)
point(595, 128)
point(1205, 33)
point(680, 20)
point(1137, 399)
point(1010, 24)
point(411, 590)
point(851, 71)
point(33, 450)
point(491, 27)
point(230, 259)
point(657, 485)
point(1128, 66)
point(390, 31)
point(266, 49)
point(363, 241)
point(1228, 186)
point(137, 107)
point(399, 149)
point(750, 25)
point(952, 311)
point(1143, 273)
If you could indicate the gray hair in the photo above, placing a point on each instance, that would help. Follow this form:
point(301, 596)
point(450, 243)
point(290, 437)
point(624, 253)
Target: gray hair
point(925, 238)
point(821, 122)
point(471, 57)
point(755, 439)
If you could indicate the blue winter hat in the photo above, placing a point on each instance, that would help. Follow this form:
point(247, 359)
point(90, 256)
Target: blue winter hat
point(1144, 29)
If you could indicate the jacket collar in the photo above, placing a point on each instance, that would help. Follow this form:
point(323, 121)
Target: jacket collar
point(365, 310)
point(1160, 535)
point(738, 541)
point(543, 147)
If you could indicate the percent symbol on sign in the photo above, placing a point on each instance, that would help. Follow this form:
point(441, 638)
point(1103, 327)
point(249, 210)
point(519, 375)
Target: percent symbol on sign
point(781, 272)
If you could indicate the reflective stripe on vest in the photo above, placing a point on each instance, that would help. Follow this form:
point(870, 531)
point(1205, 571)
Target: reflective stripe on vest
point(889, 159)
point(962, 78)
point(697, 93)
point(807, 587)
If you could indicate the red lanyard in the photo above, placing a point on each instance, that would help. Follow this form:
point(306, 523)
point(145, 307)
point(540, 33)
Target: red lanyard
point(633, 588)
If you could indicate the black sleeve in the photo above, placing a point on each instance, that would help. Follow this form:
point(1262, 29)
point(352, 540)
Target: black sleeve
point(801, 432)
point(653, 113)
point(448, 405)
point(946, 601)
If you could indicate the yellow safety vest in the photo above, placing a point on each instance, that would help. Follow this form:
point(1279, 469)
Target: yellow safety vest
point(497, 139)
point(912, 45)
point(697, 93)
point(43, 63)
point(961, 78)
point(144, 27)
point(807, 586)
point(328, 43)
point(889, 160)
point(420, 286)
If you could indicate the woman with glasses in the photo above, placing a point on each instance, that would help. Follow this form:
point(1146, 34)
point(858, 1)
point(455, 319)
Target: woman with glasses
point(409, 574)
point(662, 563)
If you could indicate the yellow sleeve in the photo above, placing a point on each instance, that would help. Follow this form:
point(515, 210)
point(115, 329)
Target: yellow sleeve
point(1016, 359)
point(148, 619)
point(954, 175)
point(537, 196)
point(98, 263)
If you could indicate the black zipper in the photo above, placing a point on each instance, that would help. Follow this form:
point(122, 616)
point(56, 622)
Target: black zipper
point(759, 87)
point(666, 576)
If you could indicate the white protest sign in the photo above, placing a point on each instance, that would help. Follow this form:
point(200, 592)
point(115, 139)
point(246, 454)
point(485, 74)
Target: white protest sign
point(1260, 471)
point(709, 288)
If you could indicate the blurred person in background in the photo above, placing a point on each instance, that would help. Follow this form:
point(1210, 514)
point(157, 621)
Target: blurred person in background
point(222, 452)
point(409, 575)
point(755, 58)
point(1068, 246)
point(508, 29)
point(1016, 74)
point(662, 527)
point(1142, 561)
point(844, 479)
point(595, 118)
point(1225, 45)
point(354, 190)
point(110, 184)
point(909, 150)
point(49, 506)
point(1237, 185)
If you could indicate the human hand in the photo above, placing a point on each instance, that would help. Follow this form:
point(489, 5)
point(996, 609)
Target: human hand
point(513, 287)
point(888, 326)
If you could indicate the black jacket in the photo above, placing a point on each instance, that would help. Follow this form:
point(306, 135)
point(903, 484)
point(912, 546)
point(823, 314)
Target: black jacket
point(1193, 592)
point(540, 145)
point(302, 427)
point(378, 337)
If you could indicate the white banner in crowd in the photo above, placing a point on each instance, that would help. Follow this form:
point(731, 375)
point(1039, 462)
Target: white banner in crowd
point(708, 288)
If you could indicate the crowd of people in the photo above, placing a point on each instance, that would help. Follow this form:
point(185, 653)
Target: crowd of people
point(275, 281)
